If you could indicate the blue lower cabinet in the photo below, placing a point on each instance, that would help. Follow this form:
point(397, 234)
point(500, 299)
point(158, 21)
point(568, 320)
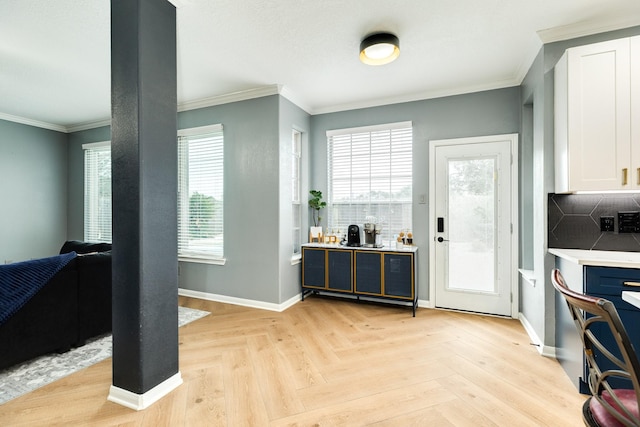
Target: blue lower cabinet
point(340, 265)
point(608, 283)
point(398, 275)
point(605, 282)
point(313, 268)
point(368, 273)
point(631, 321)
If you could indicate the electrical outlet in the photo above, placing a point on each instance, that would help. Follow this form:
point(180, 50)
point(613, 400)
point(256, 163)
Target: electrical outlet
point(606, 223)
point(629, 222)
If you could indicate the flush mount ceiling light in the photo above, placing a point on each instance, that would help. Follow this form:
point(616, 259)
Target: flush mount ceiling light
point(379, 49)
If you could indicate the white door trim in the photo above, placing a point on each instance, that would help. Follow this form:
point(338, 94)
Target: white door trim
point(513, 138)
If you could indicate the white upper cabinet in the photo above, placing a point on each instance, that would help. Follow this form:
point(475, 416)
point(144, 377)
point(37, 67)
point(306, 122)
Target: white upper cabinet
point(597, 101)
point(634, 43)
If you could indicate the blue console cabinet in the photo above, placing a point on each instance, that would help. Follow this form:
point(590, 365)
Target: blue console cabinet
point(368, 273)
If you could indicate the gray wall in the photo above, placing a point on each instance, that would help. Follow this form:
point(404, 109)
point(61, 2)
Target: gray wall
point(533, 300)
point(75, 220)
point(33, 192)
point(477, 114)
point(538, 303)
point(291, 117)
point(251, 205)
point(257, 198)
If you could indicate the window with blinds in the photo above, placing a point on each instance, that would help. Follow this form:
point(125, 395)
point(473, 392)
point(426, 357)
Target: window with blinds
point(97, 192)
point(370, 178)
point(201, 192)
point(296, 157)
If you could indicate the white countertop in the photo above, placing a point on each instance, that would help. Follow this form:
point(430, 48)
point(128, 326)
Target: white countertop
point(631, 297)
point(599, 258)
point(411, 248)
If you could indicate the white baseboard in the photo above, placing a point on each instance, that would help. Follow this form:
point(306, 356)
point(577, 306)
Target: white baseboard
point(257, 304)
point(544, 350)
point(424, 303)
point(240, 301)
point(142, 401)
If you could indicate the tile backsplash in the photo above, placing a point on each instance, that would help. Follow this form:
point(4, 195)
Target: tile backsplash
point(574, 221)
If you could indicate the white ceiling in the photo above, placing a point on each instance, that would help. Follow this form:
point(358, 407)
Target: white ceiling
point(55, 59)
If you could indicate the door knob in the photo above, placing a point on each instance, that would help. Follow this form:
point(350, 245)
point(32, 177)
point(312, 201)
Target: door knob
point(441, 239)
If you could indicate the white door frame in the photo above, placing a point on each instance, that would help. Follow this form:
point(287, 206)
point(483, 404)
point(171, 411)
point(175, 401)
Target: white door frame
point(513, 138)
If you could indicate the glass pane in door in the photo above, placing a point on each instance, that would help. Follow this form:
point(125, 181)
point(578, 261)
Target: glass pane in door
point(472, 224)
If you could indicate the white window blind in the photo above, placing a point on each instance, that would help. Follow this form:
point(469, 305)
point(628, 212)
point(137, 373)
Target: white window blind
point(296, 156)
point(201, 192)
point(97, 192)
point(370, 175)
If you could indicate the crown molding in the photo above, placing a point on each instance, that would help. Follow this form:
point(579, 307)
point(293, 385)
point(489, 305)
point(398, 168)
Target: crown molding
point(420, 96)
point(585, 28)
point(198, 103)
point(185, 106)
point(180, 3)
point(285, 92)
point(231, 97)
point(34, 123)
point(526, 63)
point(88, 125)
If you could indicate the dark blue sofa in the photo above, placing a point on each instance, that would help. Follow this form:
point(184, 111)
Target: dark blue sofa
point(72, 307)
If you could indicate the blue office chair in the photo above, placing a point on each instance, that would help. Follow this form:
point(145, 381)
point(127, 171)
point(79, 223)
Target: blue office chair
point(608, 406)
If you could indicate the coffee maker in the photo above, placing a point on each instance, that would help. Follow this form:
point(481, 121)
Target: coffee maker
point(372, 235)
point(353, 235)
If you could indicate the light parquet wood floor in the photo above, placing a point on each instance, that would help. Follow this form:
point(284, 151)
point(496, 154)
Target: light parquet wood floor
point(328, 362)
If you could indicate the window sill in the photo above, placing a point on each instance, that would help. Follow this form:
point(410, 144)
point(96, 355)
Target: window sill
point(296, 259)
point(213, 261)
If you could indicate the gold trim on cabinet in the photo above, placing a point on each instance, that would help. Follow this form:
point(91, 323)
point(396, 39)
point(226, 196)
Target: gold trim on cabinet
point(351, 270)
point(355, 273)
point(382, 276)
point(413, 282)
point(625, 173)
point(325, 268)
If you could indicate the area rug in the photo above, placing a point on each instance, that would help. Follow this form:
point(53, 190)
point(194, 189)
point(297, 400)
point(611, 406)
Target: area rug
point(35, 373)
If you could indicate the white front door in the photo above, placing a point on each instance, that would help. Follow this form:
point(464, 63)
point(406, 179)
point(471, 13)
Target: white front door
point(473, 211)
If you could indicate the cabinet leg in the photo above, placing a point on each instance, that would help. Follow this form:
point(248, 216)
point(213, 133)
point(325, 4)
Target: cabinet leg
point(305, 292)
